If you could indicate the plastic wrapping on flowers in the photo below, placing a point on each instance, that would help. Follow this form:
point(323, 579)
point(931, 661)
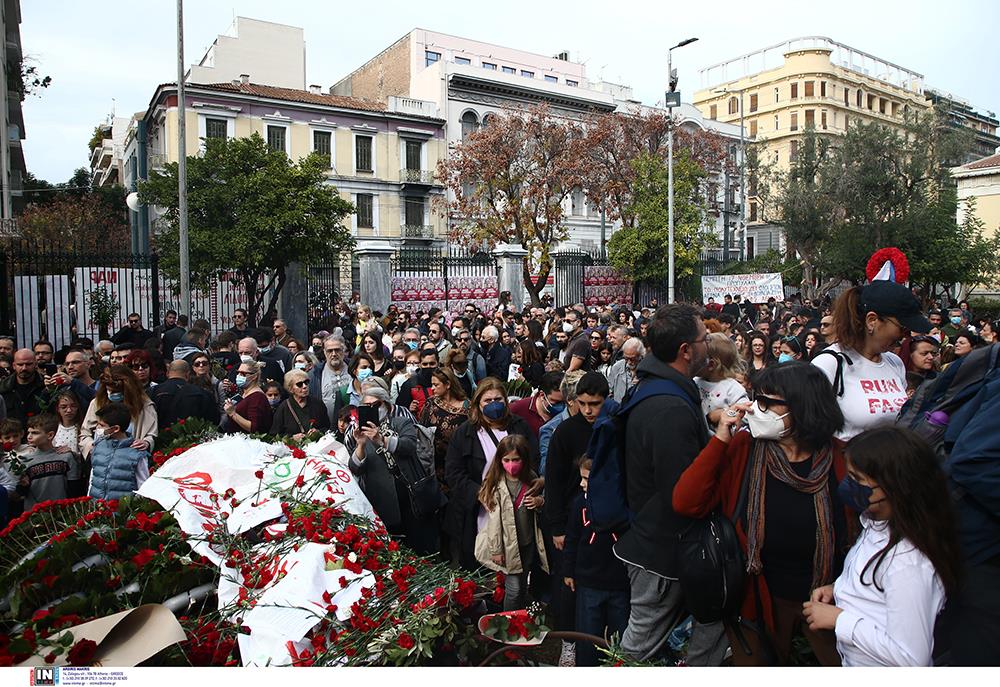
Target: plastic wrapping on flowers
point(353, 595)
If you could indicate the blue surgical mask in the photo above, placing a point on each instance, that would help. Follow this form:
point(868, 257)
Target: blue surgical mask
point(956, 320)
point(854, 495)
point(241, 381)
point(274, 402)
point(494, 410)
point(785, 358)
point(412, 345)
point(116, 396)
point(364, 374)
point(300, 366)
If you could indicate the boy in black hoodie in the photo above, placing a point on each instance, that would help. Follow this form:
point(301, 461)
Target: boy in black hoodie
point(592, 570)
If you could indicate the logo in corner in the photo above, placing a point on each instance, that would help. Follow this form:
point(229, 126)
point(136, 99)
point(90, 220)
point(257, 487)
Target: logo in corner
point(45, 676)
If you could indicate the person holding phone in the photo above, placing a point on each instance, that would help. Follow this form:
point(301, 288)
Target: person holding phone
point(379, 439)
point(74, 375)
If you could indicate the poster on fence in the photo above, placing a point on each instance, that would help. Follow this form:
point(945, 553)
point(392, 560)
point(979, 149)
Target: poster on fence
point(603, 285)
point(26, 311)
point(57, 312)
point(756, 288)
point(423, 293)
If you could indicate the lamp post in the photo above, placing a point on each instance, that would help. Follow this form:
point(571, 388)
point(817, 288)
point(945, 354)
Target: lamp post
point(672, 97)
point(182, 209)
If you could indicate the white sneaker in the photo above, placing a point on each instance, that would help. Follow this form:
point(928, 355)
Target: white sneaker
point(567, 657)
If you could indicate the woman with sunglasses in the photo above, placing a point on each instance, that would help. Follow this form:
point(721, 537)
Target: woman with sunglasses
point(300, 413)
point(142, 365)
point(868, 379)
point(202, 376)
point(120, 385)
point(793, 527)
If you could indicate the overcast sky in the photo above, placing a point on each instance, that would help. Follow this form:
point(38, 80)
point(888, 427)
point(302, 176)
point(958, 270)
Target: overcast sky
point(113, 53)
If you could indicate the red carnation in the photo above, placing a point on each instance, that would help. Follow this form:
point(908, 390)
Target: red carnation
point(82, 653)
point(899, 263)
point(405, 641)
point(498, 594)
point(143, 557)
point(298, 453)
point(8, 446)
point(259, 474)
point(300, 481)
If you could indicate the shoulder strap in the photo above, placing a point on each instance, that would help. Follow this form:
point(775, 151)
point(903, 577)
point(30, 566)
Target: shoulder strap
point(838, 378)
point(493, 437)
point(739, 514)
point(295, 415)
point(653, 387)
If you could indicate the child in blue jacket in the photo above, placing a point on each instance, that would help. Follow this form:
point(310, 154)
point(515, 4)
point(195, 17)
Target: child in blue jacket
point(596, 575)
point(117, 468)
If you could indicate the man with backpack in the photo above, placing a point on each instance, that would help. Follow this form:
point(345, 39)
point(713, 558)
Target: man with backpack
point(663, 434)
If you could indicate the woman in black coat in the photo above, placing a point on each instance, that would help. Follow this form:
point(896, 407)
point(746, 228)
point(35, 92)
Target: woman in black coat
point(472, 445)
point(300, 413)
point(397, 434)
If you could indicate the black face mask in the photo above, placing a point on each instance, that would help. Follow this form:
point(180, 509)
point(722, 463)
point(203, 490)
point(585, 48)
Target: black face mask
point(399, 364)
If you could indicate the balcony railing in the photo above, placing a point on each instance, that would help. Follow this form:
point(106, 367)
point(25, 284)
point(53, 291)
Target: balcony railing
point(416, 176)
point(9, 228)
point(418, 231)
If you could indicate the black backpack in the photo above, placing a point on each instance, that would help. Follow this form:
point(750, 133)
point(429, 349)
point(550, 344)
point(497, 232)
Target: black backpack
point(711, 565)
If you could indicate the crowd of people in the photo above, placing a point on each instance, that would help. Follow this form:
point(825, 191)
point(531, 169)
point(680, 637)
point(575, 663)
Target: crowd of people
point(469, 432)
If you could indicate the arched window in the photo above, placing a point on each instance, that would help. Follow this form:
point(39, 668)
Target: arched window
point(859, 99)
point(469, 124)
point(486, 120)
point(733, 105)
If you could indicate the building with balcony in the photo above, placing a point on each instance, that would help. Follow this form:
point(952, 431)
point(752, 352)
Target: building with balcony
point(12, 166)
point(106, 154)
point(469, 80)
point(814, 82)
point(959, 114)
point(381, 154)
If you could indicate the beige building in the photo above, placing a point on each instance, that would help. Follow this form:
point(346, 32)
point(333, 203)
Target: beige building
point(779, 91)
point(981, 180)
point(272, 54)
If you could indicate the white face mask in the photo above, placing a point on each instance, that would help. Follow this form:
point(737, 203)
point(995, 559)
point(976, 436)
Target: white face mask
point(766, 424)
point(568, 327)
point(244, 358)
point(412, 369)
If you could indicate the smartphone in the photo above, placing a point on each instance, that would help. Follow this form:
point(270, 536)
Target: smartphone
point(367, 414)
point(50, 368)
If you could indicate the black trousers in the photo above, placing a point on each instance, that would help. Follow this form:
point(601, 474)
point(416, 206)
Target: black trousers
point(970, 624)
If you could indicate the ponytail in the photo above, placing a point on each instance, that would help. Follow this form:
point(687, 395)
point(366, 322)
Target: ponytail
point(848, 320)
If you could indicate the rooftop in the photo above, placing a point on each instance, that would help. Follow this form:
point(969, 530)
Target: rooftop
point(983, 163)
point(841, 55)
point(295, 95)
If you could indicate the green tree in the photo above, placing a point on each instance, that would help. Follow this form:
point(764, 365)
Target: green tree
point(250, 210)
point(640, 252)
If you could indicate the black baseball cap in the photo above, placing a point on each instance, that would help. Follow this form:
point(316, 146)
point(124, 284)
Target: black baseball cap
point(889, 299)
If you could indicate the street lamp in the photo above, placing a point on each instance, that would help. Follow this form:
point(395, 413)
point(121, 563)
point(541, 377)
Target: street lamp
point(672, 99)
point(182, 205)
point(743, 197)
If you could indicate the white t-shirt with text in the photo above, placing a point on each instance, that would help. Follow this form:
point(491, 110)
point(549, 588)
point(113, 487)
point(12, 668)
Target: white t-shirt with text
point(873, 392)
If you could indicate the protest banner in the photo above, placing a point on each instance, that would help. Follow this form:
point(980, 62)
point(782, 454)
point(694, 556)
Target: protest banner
point(756, 288)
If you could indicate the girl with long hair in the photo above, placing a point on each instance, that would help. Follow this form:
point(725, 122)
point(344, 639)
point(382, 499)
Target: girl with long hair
point(760, 352)
point(371, 344)
point(905, 563)
point(512, 541)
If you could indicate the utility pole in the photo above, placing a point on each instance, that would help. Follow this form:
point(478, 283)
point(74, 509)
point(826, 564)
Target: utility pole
point(182, 209)
point(672, 99)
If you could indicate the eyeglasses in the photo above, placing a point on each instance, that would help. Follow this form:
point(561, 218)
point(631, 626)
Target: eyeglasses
point(304, 382)
point(200, 363)
point(764, 402)
point(133, 321)
point(823, 325)
point(334, 350)
point(374, 404)
point(139, 366)
point(596, 338)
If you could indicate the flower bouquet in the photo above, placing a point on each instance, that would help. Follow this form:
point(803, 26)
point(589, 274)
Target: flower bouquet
point(525, 627)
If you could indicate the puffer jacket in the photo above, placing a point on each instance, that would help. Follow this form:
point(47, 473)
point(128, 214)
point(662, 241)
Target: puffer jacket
point(113, 464)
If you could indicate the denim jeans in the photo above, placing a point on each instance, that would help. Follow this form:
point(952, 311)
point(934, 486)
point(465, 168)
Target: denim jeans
point(515, 591)
point(602, 613)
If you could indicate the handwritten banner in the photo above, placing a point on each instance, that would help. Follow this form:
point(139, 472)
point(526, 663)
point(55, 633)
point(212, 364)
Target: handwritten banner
point(756, 288)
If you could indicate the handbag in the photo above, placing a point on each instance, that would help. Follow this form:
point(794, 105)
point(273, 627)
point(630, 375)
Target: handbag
point(425, 494)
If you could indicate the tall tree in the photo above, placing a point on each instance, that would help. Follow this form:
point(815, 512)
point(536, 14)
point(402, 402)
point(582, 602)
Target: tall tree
point(615, 140)
point(640, 251)
point(251, 210)
point(508, 182)
point(71, 222)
